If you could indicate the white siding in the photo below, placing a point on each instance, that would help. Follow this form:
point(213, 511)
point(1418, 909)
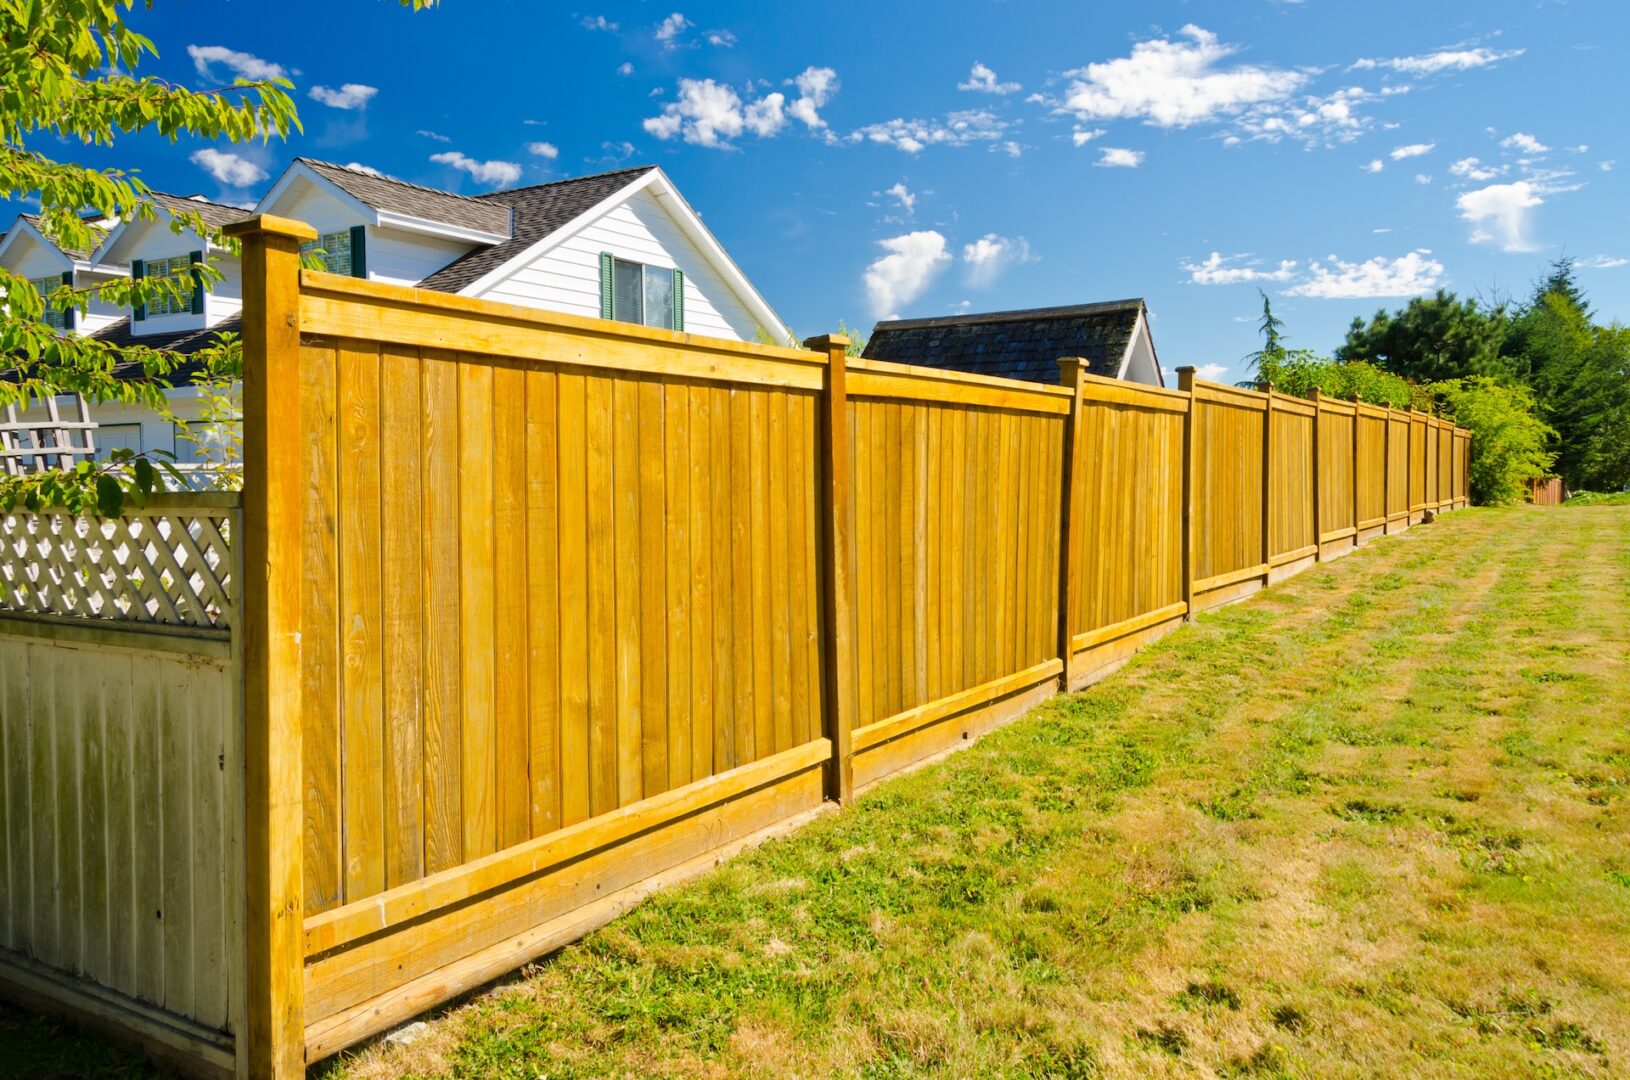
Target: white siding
point(32, 260)
point(1141, 366)
point(226, 299)
point(404, 258)
point(567, 277)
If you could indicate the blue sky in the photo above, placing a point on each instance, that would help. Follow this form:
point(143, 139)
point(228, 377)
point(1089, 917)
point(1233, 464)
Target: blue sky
point(865, 160)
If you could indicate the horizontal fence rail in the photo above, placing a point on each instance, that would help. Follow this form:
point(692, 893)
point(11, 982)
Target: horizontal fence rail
point(541, 613)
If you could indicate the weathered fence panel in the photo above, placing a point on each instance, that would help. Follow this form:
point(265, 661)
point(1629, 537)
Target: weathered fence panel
point(121, 793)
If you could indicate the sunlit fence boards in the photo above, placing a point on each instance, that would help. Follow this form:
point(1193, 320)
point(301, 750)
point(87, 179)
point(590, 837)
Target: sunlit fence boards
point(542, 613)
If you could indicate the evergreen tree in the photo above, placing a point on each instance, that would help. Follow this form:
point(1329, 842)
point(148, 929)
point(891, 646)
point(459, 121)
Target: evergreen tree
point(1431, 339)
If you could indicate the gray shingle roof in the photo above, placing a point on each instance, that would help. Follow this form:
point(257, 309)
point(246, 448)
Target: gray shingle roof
point(539, 211)
point(73, 253)
point(215, 215)
point(401, 197)
point(1012, 344)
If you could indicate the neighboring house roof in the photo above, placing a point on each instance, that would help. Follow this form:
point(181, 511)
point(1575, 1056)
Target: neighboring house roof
point(184, 342)
point(77, 254)
point(1014, 344)
point(215, 215)
point(538, 211)
point(401, 197)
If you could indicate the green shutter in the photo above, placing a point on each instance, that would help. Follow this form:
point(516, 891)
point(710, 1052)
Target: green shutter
point(68, 313)
point(138, 270)
point(197, 259)
point(679, 300)
point(359, 258)
point(605, 285)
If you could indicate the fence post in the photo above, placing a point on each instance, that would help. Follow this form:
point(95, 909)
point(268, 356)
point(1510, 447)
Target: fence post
point(1267, 483)
point(1185, 383)
point(275, 1035)
point(837, 595)
point(1070, 372)
point(1318, 524)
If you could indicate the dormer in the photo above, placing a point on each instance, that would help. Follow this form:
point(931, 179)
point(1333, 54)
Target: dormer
point(374, 227)
point(150, 249)
point(27, 252)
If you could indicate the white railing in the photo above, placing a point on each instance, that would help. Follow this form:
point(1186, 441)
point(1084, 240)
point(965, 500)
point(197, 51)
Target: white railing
point(170, 562)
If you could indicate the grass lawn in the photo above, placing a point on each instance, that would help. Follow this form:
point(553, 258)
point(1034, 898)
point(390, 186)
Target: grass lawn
point(1373, 822)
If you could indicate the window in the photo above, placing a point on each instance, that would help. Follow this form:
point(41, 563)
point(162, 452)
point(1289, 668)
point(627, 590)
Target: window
point(178, 269)
point(110, 437)
point(53, 316)
point(336, 248)
point(635, 293)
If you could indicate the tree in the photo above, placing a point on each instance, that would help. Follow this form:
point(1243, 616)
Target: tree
point(67, 74)
point(1509, 441)
point(1431, 339)
point(1272, 329)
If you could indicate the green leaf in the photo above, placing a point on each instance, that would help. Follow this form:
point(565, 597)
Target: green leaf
point(110, 497)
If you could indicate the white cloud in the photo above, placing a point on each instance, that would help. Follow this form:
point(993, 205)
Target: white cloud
point(982, 79)
point(816, 85)
point(1408, 275)
point(1082, 136)
point(1501, 214)
point(1602, 262)
point(991, 255)
point(1174, 83)
point(349, 96)
point(1210, 372)
point(433, 136)
point(359, 167)
point(1215, 270)
point(1413, 150)
point(913, 261)
point(1472, 169)
point(1312, 119)
point(711, 114)
point(1422, 178)
point(1524, 142)
point(903, 195)
point(1607, 166)
point(229, 169)
point(1374, 166)
point(1442, 60)
point(547, 151)
point(669, 29)
point(722, 39)
point(597, 22)
point(1116, 157)
point(625, 68)
point(491, 173)
point(241, 64)
point(960, 128)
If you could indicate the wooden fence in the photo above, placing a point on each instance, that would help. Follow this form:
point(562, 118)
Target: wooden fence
point(541, 613)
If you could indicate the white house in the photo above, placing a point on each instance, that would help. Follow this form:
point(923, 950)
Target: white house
point(622, 245)
point(28, 253)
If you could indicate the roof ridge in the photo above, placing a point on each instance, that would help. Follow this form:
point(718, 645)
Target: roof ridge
point(1017, 315)
point(563, 180)
point(392, 180)
point(200, 201)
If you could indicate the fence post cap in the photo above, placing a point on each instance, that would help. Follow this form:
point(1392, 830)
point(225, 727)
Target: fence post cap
point(827, 342)
point(271, 225)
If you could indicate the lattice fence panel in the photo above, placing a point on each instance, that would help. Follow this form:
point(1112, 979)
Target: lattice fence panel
point(171, 566)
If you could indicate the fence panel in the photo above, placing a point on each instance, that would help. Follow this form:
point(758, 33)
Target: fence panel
point(1397, 470)
point(1446, 456)
point(1370, 470)
point(1338, 529)
point(955, 485)
point(1128, 496)
point(1292, 540)
point(1225, 500)
point(121, 763)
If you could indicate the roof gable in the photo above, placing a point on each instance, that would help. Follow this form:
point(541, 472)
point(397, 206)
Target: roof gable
point(387, 195)
point(128, 233)
point(1014, 344)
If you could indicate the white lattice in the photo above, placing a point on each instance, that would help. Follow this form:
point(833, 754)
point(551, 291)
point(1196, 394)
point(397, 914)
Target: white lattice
point(171, 565)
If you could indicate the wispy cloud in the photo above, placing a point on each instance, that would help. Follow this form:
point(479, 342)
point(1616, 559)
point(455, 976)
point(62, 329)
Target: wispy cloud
point(1432, 63)
point(902, 195)
point(1502, 214)
point(1524, 143)
point(668, 31)
point(712, 114)
point(1407, 275)
point(722, 39)
point(961, 128)
point(912, 263)
point(1471, 168)
point(992, 255)
point(1419, 149)
point(1115, 157)
point(547, 151)
point(351, 96)
point(229, 169)
point(983, 80)
point(1220, 269)
point(490, 173)
point(241, 64)
point(597, 22)
point(433, 136)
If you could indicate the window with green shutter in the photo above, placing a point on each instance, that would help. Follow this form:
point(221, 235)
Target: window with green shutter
point(335, 248)
point(636, 293)
point(52, 316)
point(179, 270)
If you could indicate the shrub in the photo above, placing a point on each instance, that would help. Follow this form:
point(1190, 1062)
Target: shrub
point(1300, 372)
point(1508, 438)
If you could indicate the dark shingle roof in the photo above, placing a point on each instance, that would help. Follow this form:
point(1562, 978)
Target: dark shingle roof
point(215, 215)
point(97, 232)
point(539, 211)
point(185, 342)
point(1012, 344)
point(401, 197)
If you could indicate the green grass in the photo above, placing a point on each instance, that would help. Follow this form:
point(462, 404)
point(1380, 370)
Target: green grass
point(1599, 498)
point(1371, 822)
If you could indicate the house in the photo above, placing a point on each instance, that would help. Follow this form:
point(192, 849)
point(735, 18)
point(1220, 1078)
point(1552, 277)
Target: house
point(1113, 338)
point(621, 245)
point(28, 253)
